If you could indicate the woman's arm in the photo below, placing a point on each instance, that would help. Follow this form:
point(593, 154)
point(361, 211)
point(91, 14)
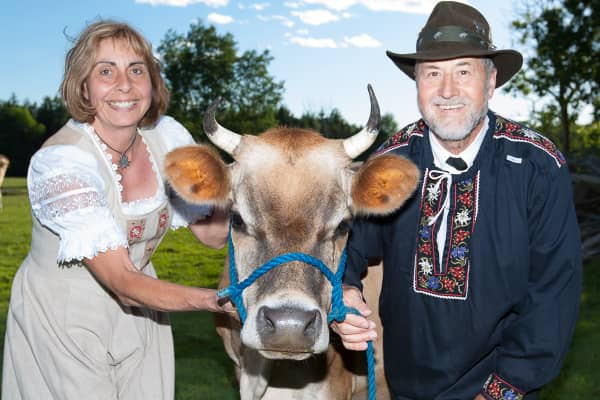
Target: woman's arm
point(132, 287)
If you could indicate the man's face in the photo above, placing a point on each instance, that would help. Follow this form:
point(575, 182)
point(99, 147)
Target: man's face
point(453, 96)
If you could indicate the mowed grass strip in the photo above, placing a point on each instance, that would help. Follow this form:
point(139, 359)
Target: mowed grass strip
point(203, 370)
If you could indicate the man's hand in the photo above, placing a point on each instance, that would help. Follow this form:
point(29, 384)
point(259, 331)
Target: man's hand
point(479, 397)
point(356, 330)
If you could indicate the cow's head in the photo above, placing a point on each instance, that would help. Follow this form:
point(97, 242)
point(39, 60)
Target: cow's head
point(290, 190)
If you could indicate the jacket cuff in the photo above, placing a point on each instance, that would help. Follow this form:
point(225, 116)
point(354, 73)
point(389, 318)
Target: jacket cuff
point(496, 388)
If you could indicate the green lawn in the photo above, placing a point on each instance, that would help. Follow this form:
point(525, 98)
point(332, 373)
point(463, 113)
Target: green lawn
point(203, 371)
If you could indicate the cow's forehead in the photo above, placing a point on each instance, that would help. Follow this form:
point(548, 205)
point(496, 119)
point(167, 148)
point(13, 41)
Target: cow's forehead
point(291, 153)
point(281, 173)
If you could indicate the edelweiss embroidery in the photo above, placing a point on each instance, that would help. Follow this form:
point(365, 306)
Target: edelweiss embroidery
point(451, 279)
point(402, 138)
point(515, 132)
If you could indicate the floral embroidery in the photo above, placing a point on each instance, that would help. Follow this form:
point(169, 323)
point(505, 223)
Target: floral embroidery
point(402, 138)
point(496, 388)
point(432, 193)
point(426, 266)
point(462, 217)
point(136, 230)
point(457, 272)
point(163, 220)
point(515, 132)
point(450, 278)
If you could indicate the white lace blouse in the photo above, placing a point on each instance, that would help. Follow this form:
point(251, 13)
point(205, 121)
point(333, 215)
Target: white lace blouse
point(67, 192)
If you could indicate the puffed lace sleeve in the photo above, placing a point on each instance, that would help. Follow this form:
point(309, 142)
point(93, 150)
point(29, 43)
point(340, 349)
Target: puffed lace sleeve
point(176, 135)
point(67, 197)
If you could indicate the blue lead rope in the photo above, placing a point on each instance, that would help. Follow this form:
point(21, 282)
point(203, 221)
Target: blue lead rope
point(338, 308)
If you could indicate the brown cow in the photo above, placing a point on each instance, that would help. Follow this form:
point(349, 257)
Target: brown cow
point(291, 190)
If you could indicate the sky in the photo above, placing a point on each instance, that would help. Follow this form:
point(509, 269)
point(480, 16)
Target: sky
point(325, 51)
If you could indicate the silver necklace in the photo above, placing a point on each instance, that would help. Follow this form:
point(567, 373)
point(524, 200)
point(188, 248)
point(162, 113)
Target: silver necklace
point(123, 159)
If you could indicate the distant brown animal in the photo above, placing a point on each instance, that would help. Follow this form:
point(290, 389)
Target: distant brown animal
point(292, 190)
point(4, 163)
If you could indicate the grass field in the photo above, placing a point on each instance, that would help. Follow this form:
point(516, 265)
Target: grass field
point(203, 371)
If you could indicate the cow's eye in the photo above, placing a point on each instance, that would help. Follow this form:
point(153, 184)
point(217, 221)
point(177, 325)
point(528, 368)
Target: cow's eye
point(237, 222)
point(343, 228)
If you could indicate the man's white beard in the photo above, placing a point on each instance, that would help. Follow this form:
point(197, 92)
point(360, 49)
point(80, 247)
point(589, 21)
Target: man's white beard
point(453, 132)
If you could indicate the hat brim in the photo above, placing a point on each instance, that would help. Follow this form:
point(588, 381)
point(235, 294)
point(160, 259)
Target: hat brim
point(507, 62)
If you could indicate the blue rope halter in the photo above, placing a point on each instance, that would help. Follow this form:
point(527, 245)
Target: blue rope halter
point(338, 308)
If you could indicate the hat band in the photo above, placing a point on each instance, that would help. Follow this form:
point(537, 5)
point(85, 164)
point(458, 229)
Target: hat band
point(452, 33)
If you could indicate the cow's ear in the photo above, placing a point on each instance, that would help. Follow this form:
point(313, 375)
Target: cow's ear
point(198, 175)
point(382, 184)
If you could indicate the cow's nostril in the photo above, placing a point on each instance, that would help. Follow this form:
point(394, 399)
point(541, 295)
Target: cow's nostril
point(269, 324)
point(288, 328)
point(313, 324)
point(264, 320)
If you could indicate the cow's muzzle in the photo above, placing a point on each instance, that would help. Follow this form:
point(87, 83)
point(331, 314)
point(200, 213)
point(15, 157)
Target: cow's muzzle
point(288, 329)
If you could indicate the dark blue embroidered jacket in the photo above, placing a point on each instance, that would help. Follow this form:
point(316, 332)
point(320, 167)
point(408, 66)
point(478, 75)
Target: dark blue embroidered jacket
point(497, 314)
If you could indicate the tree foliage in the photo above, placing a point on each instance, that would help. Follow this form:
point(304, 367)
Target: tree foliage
point(201, 66)
point(51, 113)
point(564, 42)
point(334, 126)
point(20, 135)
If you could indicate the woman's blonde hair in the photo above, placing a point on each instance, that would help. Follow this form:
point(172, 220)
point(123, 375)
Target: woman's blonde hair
point(80, 61)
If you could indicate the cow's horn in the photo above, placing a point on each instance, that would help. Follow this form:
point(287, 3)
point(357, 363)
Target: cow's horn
point(221, 137)
point(361, 141)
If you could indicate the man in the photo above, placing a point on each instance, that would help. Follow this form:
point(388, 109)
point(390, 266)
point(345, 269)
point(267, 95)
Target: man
point(482, 266)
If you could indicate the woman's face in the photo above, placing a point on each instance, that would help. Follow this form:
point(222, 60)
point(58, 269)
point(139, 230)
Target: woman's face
point(118, 87)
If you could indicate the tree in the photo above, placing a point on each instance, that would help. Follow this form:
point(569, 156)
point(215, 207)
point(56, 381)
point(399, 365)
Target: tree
point(285, 117)
point(563, 65)
point(335, 126)
point(255, 95)
point(20, 135)
point(202, 66)
point(332, 126)
point(52, 113)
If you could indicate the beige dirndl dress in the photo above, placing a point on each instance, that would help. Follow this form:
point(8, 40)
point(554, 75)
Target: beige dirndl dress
point(67, 337)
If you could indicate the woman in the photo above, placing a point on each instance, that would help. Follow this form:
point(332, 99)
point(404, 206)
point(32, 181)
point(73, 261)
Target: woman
point(87, 314)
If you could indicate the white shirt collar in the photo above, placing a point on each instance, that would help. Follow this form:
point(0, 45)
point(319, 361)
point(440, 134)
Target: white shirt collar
point(440, 154)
